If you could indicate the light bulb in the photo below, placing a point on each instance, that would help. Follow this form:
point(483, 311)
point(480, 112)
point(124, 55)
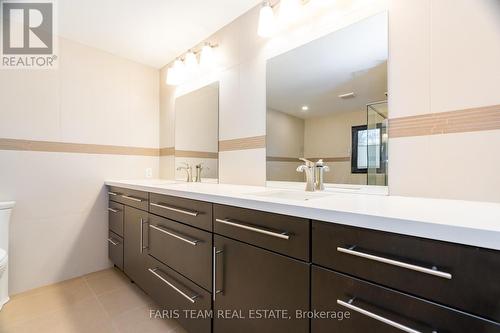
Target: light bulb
point(266, 21)
point(172, 78)
point(289, 11)
point(191, 65)
point(207, 57)
point(180, 71)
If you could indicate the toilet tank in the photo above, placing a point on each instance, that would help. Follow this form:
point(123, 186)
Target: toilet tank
point(5, 211)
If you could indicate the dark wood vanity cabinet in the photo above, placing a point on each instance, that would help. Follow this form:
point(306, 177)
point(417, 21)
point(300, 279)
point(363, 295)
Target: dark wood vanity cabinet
point(249, 280)
point(251, 271)
point(135, 245)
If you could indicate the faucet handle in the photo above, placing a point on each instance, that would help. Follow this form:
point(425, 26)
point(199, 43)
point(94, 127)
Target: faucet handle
point(307, 162)
point(320, 163)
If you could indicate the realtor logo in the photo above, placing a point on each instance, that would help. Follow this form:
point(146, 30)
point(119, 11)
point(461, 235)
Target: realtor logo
point(27, 34)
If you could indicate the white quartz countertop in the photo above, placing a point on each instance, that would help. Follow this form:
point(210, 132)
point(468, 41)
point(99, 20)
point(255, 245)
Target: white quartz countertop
point(457, 221)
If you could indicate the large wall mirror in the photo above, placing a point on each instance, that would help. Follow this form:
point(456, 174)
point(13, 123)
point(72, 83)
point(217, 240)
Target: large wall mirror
point(197, 135)
point(328, 100)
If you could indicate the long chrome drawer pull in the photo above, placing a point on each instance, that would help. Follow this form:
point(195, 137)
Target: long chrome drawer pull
point(170, 233)
point(113, 242)
point(112, 193)
point(113, 210)
point(421, 269)
point(215, 291)
point(282, 235)
point(132, 198)
point(192, 299)
point(178, 210)
point(384, 320)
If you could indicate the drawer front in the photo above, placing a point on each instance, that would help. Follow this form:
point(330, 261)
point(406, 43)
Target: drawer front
point(375, 309)
point(192, 212)
point(133, 198)
point(115, 249)
point(463, 277)
point(283, 234)
point(115, 217)
point(173, 292)
point(185, 249)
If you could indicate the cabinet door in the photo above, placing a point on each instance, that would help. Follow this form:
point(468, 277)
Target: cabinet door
point(251, 279)
point(135, 236)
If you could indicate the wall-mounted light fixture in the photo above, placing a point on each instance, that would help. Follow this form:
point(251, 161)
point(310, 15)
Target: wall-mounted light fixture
point(187, 67)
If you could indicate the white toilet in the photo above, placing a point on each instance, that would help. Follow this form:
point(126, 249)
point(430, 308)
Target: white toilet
point(5, 210)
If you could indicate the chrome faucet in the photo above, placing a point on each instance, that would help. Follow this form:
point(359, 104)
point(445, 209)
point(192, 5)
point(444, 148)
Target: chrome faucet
point(189, 171)
point(320, 169)
point(314, 174)
point(308, 167)
point(199, 169)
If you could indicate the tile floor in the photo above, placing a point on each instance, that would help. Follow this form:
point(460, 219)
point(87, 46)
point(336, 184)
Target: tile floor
point(100, 302)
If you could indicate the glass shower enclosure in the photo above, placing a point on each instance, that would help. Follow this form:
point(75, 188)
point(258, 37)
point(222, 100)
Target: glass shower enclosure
point(377, 139)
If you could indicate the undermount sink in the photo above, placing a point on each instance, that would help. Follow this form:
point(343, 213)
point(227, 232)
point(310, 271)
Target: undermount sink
point(292, 195)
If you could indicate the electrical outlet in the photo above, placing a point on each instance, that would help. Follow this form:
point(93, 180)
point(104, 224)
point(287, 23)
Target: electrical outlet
point(149, 172)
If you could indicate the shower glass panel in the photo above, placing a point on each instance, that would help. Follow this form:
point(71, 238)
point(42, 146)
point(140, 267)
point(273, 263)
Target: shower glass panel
point(376, 143)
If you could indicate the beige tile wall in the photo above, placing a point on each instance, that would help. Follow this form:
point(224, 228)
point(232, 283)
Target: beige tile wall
point(443, 57)
point(59, 225)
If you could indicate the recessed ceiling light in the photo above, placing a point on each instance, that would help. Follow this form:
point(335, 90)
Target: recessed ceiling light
point(305, 108)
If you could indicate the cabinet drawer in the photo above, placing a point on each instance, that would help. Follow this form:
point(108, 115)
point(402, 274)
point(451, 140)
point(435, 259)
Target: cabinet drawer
point(376, 309)
point(173, 292)
point(133, 198)
point(115, 249)
point(186, 249)
point(463, 277)
point(283, 234)
point(192, 212)
point(115, 217)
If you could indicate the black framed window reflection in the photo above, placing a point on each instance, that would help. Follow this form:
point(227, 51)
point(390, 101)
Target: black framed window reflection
point(366, 149)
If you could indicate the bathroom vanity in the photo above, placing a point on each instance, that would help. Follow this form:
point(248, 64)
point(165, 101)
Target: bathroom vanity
point(383, 264)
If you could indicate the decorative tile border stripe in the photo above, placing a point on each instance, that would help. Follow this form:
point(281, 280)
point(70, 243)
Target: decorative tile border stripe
point(332, 159)
point(296, 159)
point(282, 159)
point(253, 142)
point(167, 151)
point(468, 120)
point(81, 148)
point(196, 154)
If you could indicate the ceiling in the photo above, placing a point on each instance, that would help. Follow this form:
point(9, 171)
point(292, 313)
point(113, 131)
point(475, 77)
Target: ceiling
point(353, 59)
point(151, 32)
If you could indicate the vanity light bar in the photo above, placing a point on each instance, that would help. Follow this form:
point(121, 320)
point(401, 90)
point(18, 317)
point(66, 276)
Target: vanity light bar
point(186, 65)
